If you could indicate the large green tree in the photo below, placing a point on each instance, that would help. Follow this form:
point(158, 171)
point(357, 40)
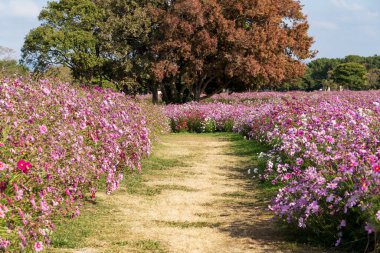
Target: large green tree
point(350, 75)
point(68, 37)
point(318, 72)
point(97, 39)
point(125, 34)
point(373, 77)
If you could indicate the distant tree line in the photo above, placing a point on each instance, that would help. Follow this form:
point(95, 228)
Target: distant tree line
point(9, 67)
point(352, 72)
point(183, 48)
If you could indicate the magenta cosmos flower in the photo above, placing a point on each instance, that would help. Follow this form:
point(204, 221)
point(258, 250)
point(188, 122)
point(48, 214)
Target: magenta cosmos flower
point(376, 168)
point(3, 186)
point(24, 166)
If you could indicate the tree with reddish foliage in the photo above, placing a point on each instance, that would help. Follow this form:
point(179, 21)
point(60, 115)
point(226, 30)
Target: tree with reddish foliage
point(211, 45)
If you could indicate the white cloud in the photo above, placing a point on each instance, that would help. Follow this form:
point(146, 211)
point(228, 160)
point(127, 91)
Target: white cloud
point(348, 6)
point(354, 7)
point(20, 8)
point(326, 25)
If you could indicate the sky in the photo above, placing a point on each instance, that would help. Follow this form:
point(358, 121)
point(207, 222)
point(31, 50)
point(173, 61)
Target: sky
point(339, 27)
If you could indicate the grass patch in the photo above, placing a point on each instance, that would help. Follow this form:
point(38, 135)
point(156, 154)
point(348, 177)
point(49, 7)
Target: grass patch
point(237, 194)
point(152, 166)
point(176, 188)
point(186, 224)
point(143, 245)
point(145, 190)
point(156, 163)
point(149, 245)
point(251, 149)
point(72, 233)
point(206, 215)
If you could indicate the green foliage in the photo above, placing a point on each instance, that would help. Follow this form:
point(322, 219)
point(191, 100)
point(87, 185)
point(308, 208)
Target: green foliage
point(61, 73)
point(125, 34)
point(97, 40)
point(319, 71)
point(228, 125)
point(10, 68)
point(210, 126)
point(350, 75)
point(373, 77)
point(195, 124)
point(67, 36)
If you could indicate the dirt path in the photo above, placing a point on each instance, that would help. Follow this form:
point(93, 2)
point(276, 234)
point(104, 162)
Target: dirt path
point(200, 201)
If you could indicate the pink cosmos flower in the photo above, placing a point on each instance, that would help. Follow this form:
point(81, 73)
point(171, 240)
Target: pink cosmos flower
point(4, 243)
point(3, 166)
point(330, 139)
point(299, 161)
point(46, 91)
point(364, 186)
point(38, 246)
point(378, 215)
point(43, 129)
point(369, 228)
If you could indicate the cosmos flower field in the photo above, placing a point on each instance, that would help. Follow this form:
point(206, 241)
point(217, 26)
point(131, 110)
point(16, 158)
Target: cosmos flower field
point(325, 156)
point(57, 144)
point(60, 144)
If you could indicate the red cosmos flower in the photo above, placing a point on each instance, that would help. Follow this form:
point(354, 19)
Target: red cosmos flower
point(376, 168)
point(24, 166)
point(3, 186)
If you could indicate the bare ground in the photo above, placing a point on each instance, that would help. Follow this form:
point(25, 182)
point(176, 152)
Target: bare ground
point(204, 205)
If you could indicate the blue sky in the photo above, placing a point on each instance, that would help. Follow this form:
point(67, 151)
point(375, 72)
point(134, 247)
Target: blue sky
point(339, 27)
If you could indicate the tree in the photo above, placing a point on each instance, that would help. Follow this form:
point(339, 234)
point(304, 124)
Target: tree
point(8, 65)
point(125, 35)
point(67, 37)
point(351, 75)
point(6, 53)
point(99, 40)
point(61, 73)
point(373, 77)
point(199, 43)
point(318, 72)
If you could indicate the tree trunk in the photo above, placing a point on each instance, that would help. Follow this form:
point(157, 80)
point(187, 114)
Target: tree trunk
point(197, 92)
point(154, 93)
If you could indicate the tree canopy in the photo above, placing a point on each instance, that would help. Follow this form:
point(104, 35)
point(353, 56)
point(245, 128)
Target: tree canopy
point(184, 48)
point(351, 75)
point(222, 43)
point(67, 36)
point(319, 72)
